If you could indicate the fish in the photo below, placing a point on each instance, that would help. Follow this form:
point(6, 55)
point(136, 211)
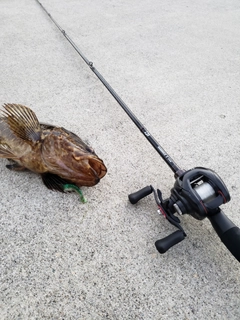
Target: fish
point(58, 155)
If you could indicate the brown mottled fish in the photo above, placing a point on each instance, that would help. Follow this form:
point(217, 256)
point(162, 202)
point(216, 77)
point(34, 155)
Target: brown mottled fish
point(59, 155)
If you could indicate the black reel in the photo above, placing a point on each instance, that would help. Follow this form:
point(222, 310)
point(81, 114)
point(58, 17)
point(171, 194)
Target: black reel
point(198, 192)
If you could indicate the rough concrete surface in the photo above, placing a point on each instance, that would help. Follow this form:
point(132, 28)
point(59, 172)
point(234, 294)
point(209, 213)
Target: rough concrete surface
point(177, 66)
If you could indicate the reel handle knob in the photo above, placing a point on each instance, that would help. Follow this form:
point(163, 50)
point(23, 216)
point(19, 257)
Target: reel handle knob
point(166, 243)
point(136, 196)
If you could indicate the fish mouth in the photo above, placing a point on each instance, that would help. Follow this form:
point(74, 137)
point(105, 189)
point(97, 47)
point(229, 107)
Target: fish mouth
point(98, 167)
point(96, 171)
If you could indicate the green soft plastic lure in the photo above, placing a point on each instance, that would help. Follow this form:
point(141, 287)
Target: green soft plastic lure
point(72, 187)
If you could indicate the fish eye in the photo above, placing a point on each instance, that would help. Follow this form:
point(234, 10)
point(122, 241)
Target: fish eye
point(89, 149)
point(76, 156)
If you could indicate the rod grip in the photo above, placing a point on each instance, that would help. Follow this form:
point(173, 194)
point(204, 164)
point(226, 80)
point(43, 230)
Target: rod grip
point(228, 232)
point(166, 243)
point(136, 196)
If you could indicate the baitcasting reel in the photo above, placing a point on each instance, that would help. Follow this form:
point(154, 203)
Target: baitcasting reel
point(198, 192)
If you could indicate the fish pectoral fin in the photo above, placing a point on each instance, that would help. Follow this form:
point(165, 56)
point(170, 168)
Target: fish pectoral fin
point(54, 182)
point(22, 121)
point(6, 152)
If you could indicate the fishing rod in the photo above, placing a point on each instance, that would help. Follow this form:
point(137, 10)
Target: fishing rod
point(198, 192)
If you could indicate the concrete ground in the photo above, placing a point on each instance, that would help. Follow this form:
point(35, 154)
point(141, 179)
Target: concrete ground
point(177, 66)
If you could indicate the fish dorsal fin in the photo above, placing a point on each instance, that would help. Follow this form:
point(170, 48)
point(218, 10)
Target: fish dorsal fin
point(22, 121)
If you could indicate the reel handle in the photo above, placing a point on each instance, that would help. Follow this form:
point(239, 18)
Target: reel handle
point(228, 232)
point(138, 195)
point(166, 243)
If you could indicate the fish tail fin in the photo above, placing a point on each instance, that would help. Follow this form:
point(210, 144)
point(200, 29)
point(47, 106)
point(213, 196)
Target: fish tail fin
point(22, 121)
